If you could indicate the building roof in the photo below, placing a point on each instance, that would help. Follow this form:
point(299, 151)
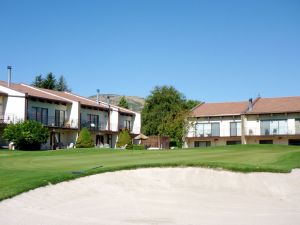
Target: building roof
point(34, 92)
point(219, 109)
point(60, 96)
point(276, 105)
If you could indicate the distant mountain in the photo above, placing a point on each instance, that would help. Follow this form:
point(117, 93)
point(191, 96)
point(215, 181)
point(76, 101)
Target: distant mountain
point(135, 103)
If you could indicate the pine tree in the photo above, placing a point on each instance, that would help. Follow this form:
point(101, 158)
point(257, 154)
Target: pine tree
point(62, 84)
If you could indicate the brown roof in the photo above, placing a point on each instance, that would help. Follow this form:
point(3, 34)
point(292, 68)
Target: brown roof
point(219, 109)
point(276, 105)
point(77, 98)
point(34, 92)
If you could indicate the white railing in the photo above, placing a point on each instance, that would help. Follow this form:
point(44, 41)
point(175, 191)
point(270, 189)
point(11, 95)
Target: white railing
point(9, 118)
point(259, 131)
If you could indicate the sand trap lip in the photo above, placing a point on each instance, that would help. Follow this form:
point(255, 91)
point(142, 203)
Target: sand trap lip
point(161, 196)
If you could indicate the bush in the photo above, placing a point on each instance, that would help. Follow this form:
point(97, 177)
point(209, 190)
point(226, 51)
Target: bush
point(27, 135)
point(84, 139)
point(138, 147)
point(124, 139)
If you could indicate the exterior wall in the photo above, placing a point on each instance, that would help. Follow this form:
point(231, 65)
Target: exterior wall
point(114, 119)
point(137, 124)
point(74, 114)
point(13, 105)
point(50, 106)
point(223, 121)
point(189, 143)
point(14, 108)
point(103, 116)
point(253, 123)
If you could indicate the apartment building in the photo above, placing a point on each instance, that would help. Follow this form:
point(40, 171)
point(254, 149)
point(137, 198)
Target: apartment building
point(65, 113)
point(262, 121)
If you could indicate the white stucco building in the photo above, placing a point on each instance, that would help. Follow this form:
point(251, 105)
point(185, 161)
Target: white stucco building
point(262, 121)
point(64, 114)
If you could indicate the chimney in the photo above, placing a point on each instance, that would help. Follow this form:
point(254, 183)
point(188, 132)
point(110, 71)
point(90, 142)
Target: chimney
point(98, 97)
point(8, 75)
point(108, 100)
point(250, 105)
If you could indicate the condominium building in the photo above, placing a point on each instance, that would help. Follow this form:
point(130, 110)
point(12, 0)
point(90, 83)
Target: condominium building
point(65, 113)
point(262, 121)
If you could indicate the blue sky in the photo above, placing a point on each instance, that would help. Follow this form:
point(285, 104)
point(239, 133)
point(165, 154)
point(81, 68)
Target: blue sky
point(209, 50)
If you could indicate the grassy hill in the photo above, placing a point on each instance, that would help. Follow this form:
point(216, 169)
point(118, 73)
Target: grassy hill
point(135, 103)
point(21, 171)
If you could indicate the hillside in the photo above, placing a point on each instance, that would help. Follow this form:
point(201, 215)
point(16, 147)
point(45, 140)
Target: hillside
point(135, 103)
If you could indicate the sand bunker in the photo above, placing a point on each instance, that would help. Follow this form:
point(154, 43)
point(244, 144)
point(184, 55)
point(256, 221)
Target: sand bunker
point(180, 196)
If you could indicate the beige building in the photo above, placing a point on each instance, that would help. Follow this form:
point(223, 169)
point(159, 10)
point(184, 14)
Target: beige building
point(64, 114)
point(262, 121)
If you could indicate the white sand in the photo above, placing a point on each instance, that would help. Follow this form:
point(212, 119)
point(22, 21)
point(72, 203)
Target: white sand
point(180, 196)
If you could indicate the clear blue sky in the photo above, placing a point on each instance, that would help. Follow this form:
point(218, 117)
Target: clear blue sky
point(209, 50)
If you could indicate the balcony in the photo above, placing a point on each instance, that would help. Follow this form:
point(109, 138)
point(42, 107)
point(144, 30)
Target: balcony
point(94, 126)
point(214, 133)
point(269, 131)
point(8, 118)
point(124, 127)
point(52, 121)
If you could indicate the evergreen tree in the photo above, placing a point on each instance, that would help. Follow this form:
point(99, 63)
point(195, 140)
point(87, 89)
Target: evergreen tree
point(123, 103)
point(38, 82)
point(50, 82)
point(62, 84)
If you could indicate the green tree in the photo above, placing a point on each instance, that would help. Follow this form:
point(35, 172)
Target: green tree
point(50, 82)
point(38, 82)
point(190, 104)
point(61, 84)
point(27, 135)
point(84, 139)
point(164, 113)
point(124, 138)
point(123, 103)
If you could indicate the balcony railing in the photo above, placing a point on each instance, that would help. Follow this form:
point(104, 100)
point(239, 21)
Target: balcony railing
point(52, 121)
point(8, 118)
point(263, 131)
point(215, 133)
point(94, 126)
point(123, 127)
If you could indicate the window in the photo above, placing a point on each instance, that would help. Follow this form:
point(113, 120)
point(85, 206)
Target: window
point(127, 124)
point(202, 144)
point(273, 127)
point(233, 142)
point(266, 142)
point(207, 129)
point(39, 114)
point(235, 129)
point(60, 117)
point(93, 119)
point(297, 126)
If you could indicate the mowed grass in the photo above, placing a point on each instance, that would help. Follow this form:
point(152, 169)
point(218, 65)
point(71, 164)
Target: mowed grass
point(21, 171)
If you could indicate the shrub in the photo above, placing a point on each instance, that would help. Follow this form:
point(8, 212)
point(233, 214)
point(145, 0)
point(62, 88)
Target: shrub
point(124, 139)
point(138, 147)
point(84, 139)
point(27, 135)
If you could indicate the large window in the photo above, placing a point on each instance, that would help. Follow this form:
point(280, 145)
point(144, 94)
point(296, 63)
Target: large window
point(127, 124)
point(60, 117)
point(39, 114)
point(207, 129)
point(202, 144)
point(93, 120)
point(273, 127)
point(297, 126)
point(235, 129)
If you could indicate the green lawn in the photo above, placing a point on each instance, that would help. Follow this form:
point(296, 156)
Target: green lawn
point(21, 171)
